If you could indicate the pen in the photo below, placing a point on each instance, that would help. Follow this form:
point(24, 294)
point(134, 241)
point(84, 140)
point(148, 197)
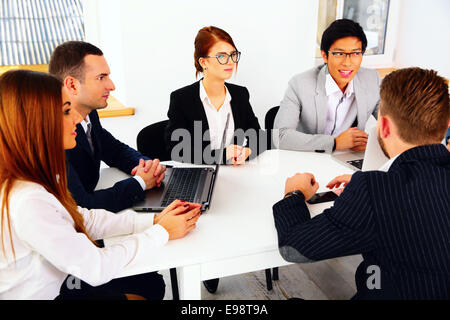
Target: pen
point(244, 143)
point(242, 146)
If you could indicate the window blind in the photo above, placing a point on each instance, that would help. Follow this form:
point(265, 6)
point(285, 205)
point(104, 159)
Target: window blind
point(31, 29)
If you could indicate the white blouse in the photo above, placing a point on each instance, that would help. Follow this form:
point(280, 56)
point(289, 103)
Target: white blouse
point(48, 248)
point(218, 118)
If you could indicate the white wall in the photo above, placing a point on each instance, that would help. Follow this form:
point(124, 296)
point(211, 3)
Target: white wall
point(103, 28)
point(150, 44)
point(424, 39)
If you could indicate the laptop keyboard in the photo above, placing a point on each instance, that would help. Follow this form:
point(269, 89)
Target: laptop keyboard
point(183, 185)
point(356, 163)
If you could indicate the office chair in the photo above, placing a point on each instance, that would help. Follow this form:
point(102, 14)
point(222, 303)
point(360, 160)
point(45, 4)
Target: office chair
point(150, 142)
point(269, 119)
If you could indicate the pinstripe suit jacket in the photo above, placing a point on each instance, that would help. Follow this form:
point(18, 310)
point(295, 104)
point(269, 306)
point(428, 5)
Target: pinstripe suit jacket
point(398, 220)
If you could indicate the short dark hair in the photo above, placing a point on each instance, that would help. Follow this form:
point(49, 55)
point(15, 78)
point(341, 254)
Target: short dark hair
point(340, 29)
point(418, 102)
point(68, 59)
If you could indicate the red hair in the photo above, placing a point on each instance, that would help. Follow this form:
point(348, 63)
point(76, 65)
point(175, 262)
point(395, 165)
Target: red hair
point(31, 140)
point(205, 39)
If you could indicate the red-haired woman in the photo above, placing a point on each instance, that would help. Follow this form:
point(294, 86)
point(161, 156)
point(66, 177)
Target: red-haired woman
point(44, 236)
point(201, 109)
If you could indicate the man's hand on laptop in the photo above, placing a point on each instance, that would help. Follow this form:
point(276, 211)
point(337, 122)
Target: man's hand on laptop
point(336, 182)
point(151, 171)
point(179, 218)
point(353, 139)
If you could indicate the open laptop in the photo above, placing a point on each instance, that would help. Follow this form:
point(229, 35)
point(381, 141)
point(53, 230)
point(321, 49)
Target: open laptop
point(370, 159)
point(194, 184)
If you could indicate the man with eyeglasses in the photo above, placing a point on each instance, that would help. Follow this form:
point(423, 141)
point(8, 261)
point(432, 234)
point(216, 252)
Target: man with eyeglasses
point(326, 108)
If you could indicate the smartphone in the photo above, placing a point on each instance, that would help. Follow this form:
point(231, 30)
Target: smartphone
point(323, 197)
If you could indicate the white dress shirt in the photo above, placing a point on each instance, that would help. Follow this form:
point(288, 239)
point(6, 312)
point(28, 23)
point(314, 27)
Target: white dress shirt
point(385, 167)
point(218, 118)
point(341, 107)
point(48, 248)
point(84, 125)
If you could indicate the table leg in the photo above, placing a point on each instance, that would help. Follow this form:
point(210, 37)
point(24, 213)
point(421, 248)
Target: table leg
point(189, 282)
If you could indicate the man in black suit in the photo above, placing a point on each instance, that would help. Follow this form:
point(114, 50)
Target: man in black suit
point(397, 218)
point(85, 75)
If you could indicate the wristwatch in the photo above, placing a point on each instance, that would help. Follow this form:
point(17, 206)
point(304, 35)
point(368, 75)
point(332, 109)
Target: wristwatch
point(298, 193)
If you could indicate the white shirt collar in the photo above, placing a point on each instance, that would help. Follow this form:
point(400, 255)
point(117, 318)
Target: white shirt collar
point(204, 96)
point(331, 87)
point(85, 122)
point(388, 164)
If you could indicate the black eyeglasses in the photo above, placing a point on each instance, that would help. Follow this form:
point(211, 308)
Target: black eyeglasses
point(223, 58)
point(342, 55)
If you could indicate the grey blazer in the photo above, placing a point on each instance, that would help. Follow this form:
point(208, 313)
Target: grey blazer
point(302, 115)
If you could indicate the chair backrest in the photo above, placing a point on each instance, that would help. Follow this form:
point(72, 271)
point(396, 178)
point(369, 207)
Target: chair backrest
point(270, 117)
point(268, 123)
point(150, 141)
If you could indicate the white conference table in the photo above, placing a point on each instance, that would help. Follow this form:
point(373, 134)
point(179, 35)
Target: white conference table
point(237, 234)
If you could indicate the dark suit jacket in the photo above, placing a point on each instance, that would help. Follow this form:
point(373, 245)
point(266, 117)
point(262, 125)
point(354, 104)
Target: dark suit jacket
point(398, 220)
point(83, 170)
point(186, 108)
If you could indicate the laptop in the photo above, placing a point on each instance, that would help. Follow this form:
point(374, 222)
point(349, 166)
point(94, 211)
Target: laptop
point(370, 159)
point(374, 158)
point(194, 184)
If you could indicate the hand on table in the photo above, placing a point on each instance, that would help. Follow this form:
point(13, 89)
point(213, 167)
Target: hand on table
point(336, 182)
point(353, 139)
point(237, 155)
point(304, 182)
point(179, 218)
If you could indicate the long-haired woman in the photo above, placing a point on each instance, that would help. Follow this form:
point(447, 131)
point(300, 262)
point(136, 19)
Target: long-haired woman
point(47, 242)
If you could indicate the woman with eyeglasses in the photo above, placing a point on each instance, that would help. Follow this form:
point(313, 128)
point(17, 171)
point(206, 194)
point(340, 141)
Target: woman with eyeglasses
point(198, 113)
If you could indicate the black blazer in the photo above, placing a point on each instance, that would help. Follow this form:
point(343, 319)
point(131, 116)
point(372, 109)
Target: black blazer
point(398, 220)
point(83, 169)
point(186, 107)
